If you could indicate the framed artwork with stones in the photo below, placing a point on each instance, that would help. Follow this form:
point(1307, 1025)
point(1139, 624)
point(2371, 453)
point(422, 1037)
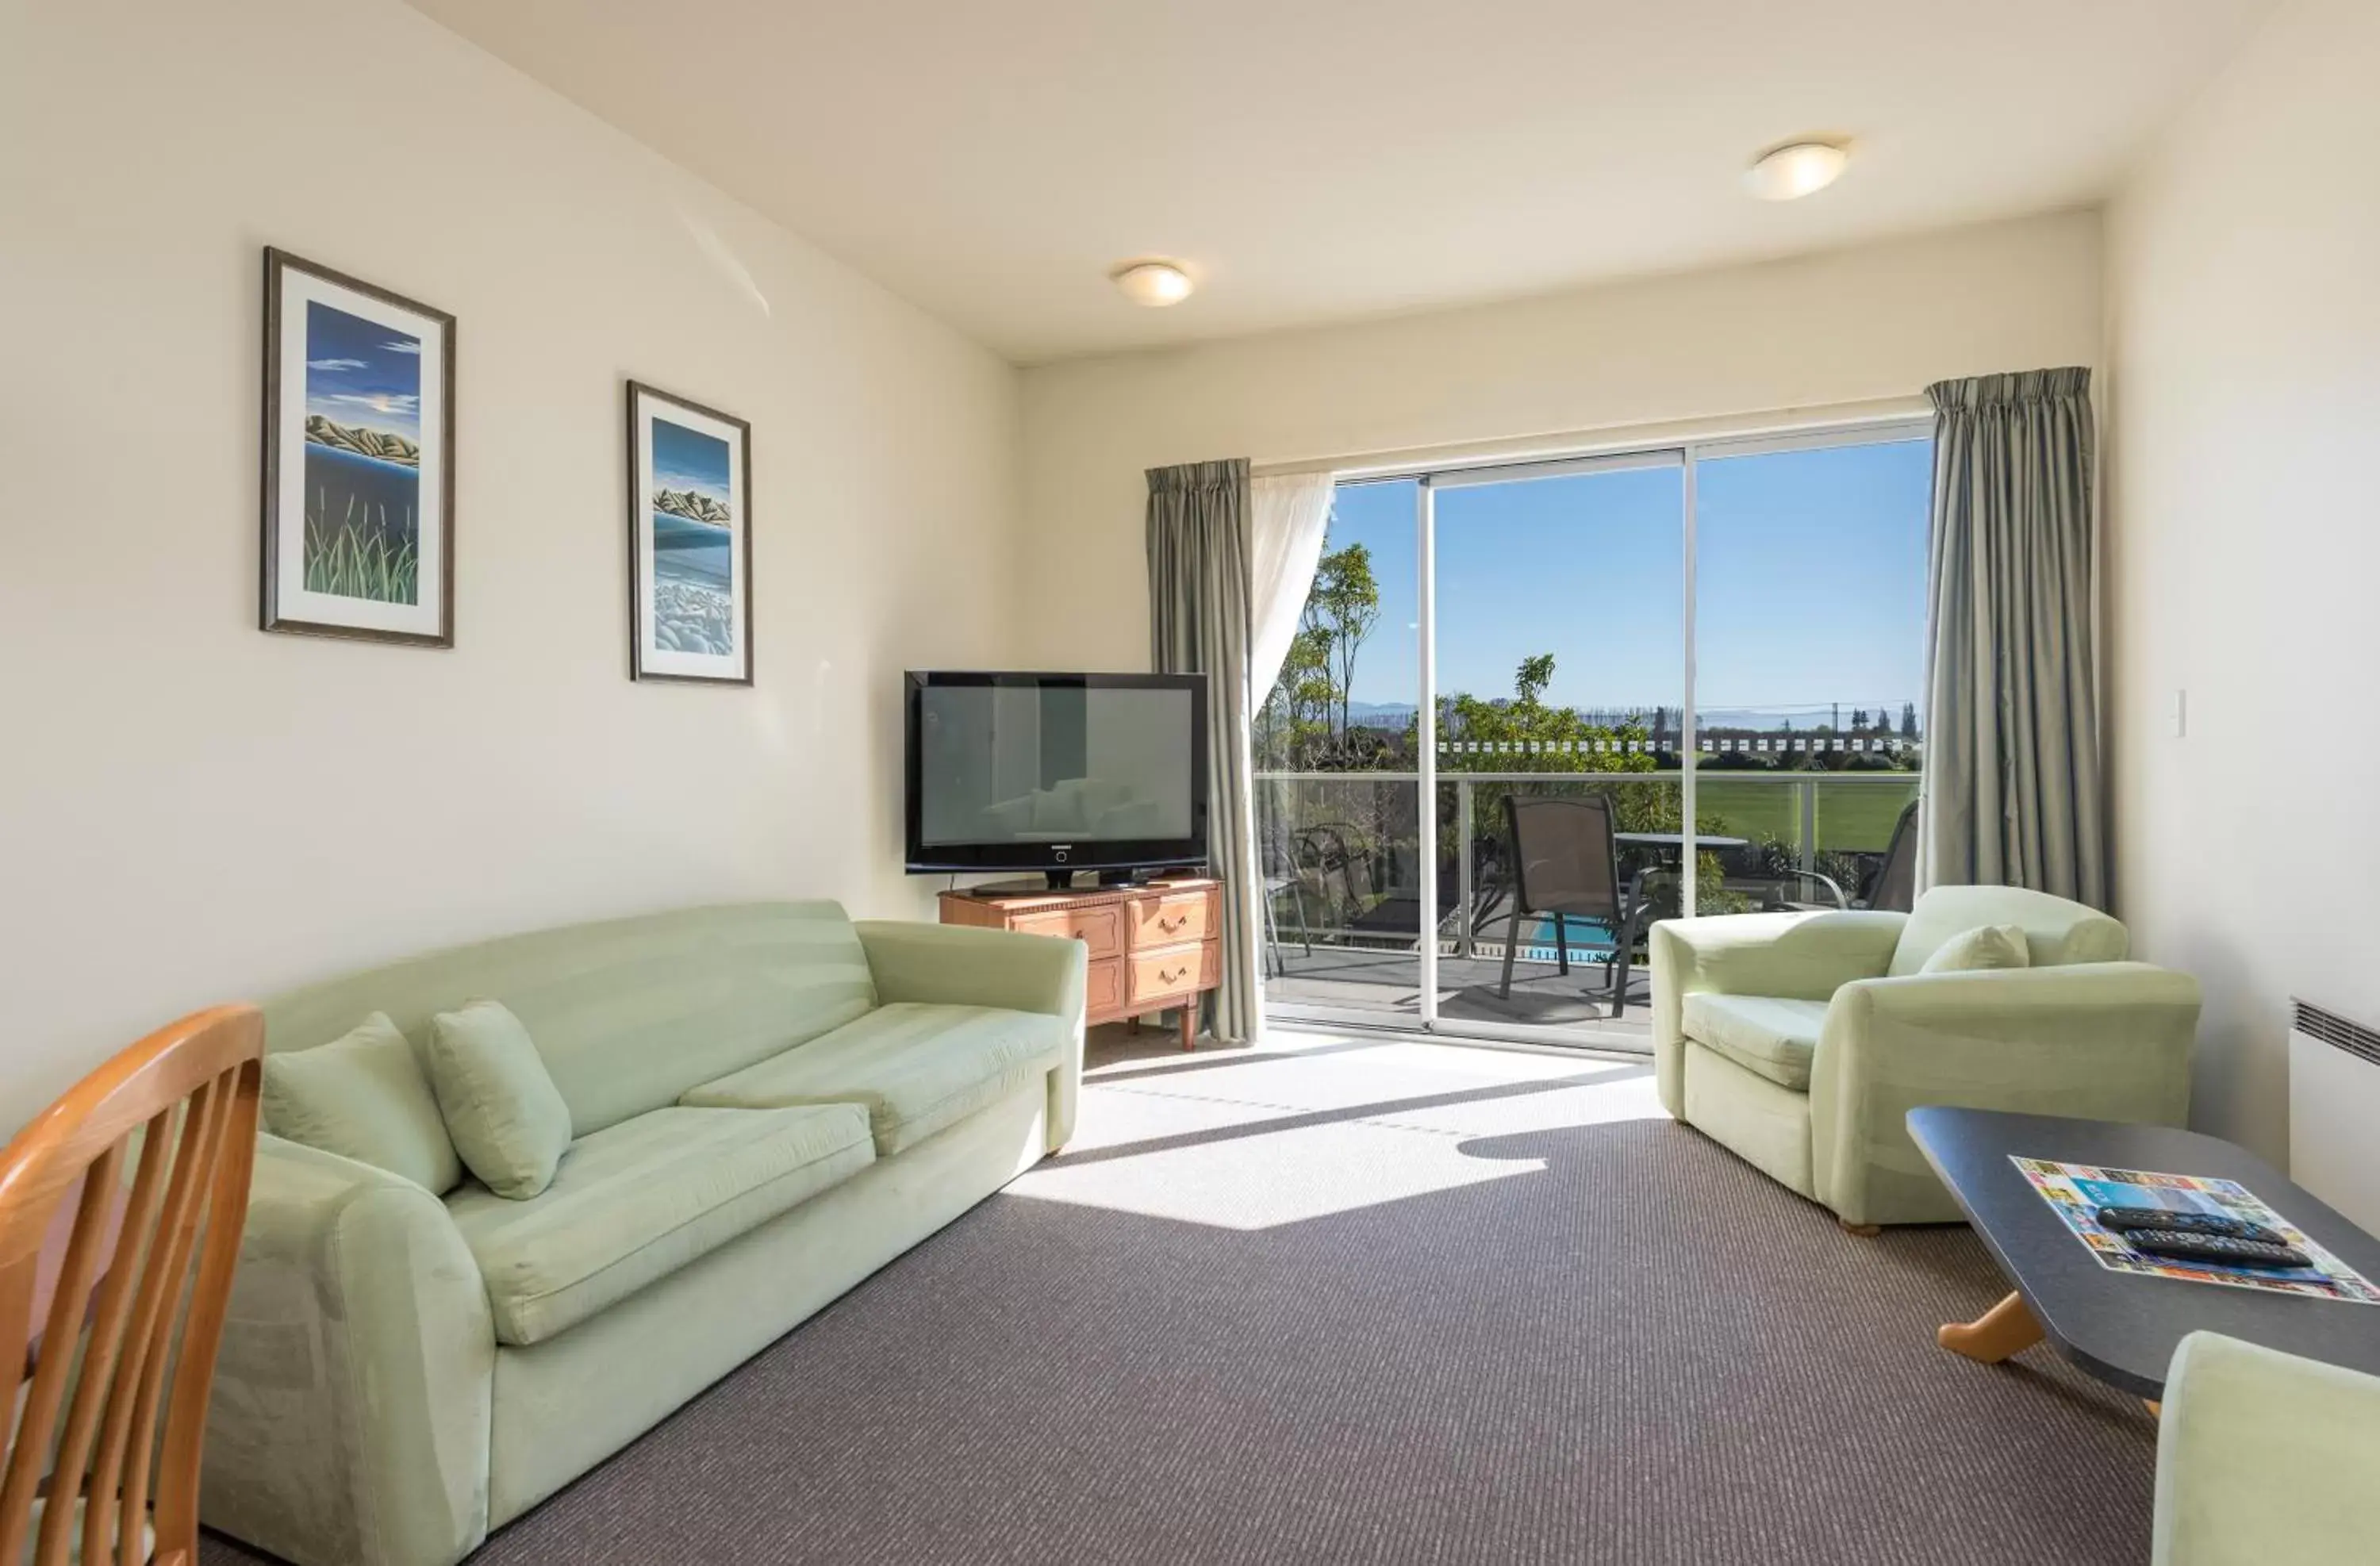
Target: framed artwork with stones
point(689, 540)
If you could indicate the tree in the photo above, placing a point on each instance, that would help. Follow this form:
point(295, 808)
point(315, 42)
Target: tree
point(1345, 605)
point(1294, 724)
point(1530, 682)
point(1909, 720)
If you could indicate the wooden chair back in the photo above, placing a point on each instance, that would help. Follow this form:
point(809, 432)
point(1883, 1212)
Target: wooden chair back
point(137, 1260)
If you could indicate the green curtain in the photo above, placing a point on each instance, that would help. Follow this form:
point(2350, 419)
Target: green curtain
point(2013, 787)
point(1199, 624)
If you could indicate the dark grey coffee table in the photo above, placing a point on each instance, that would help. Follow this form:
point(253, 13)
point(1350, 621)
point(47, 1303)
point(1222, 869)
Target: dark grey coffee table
point(2120, 1327)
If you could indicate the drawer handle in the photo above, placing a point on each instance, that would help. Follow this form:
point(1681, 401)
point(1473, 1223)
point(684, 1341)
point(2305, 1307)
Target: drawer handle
point(1168, 926)
point(1174, 977)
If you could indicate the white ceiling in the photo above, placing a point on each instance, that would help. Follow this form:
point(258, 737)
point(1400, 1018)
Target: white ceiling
point(1317, 159)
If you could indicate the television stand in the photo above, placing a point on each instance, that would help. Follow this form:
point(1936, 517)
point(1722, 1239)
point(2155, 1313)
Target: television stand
point(1153, 947)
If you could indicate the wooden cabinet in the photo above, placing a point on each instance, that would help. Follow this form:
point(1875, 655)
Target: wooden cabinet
point(1152, 948)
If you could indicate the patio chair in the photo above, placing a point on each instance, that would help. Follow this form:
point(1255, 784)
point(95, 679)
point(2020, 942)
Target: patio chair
point(1566, 866)
point(1891, 886)
point(1283, 874)
point(1328, 852)
point(1894, 884)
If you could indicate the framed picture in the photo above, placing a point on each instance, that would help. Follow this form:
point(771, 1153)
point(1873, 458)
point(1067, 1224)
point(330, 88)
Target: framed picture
point(358, 459)
point(689, 540)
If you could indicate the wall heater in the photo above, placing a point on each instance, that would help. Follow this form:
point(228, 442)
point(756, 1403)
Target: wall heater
point(2334, 1111)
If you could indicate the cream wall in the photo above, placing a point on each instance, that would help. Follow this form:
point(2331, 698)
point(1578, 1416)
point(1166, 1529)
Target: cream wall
point(191, 810)
point(2244, 277)
point(1880, 322)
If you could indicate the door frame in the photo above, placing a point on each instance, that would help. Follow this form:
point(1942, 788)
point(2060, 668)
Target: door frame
point(1686, 455)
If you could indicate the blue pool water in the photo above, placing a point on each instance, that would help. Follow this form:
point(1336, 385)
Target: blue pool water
point(1588, 943)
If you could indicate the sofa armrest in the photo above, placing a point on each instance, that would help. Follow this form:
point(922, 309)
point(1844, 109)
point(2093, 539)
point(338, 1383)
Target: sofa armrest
point(961, 965)
point(2097, 1041)
point(352, 1395)
point(1794, 956)
point(2263, 1456)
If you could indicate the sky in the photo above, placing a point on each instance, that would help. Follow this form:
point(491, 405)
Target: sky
point(689, 459)
point(1810, 582)
point(361, 373)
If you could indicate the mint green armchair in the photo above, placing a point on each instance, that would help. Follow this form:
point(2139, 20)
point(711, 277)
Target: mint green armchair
point(1799, 1040)
point(2263, 1456)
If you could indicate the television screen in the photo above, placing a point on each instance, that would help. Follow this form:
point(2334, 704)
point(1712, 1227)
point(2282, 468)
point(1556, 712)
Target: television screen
point(1042, 770)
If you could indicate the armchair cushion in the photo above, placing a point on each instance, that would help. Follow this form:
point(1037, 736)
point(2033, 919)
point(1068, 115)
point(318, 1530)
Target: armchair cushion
point(635, 1202)
point(1768, 1037)
point(918, 1068)
point(2056, 932)
point(1787, 956)
point(1981, 950)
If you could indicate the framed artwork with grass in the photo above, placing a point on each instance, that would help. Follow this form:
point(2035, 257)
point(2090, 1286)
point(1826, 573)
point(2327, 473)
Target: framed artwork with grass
point(689, 540)
point(358, 459)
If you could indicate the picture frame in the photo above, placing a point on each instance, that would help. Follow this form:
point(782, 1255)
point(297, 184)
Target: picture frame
point(689, 540)
point(358, 492)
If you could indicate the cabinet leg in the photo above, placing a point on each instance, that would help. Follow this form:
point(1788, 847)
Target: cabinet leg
point(1190, 1026)
point(1132, 1023)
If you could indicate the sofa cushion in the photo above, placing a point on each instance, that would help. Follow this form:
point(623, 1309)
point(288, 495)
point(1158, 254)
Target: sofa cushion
point(918, 1068)
point(363, 1096)
point(507, 1117)
point(636, 1201)
point(1772, 1037)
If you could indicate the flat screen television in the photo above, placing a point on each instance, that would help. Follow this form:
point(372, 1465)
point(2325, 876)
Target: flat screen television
point(1056, 772)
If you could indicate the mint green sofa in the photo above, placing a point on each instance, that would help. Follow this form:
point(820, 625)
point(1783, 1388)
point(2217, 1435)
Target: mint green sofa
point(768, 1103)
point(1799, 1041)
point(2265, 1457)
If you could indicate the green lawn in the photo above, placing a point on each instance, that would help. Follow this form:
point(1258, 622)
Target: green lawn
point(1853, 816)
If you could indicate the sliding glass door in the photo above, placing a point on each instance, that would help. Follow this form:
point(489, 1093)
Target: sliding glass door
point(1561, 656)
point(1810, 619)
point(1337, 789)
point(1532, 708)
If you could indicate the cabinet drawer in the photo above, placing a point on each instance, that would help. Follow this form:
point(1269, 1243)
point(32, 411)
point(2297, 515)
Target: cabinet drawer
point(1103, 990)
point(1102, 929)
point(1157, 976)
point(1173, 920)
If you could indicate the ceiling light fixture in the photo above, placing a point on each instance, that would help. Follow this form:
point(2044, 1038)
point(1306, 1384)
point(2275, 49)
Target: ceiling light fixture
point(1155, 284)
point(1796, 169)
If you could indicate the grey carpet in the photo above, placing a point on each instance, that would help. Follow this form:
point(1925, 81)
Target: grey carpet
point(1394, 1304)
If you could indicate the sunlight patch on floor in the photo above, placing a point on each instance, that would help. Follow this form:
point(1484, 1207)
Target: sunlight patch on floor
point(1314, 1123)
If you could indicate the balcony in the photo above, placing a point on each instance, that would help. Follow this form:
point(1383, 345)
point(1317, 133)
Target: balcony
point(1341, 866)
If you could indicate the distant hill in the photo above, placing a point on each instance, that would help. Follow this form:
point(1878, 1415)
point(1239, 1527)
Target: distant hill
point(377, 443)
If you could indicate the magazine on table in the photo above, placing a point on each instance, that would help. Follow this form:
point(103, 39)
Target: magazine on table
point(2076, 1192)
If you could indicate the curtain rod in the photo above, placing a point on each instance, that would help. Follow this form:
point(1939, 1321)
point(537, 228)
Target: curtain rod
point(1609, 438)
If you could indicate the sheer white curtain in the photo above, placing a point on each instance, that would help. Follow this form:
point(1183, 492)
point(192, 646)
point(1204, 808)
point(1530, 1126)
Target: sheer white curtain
point(1288, 512)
